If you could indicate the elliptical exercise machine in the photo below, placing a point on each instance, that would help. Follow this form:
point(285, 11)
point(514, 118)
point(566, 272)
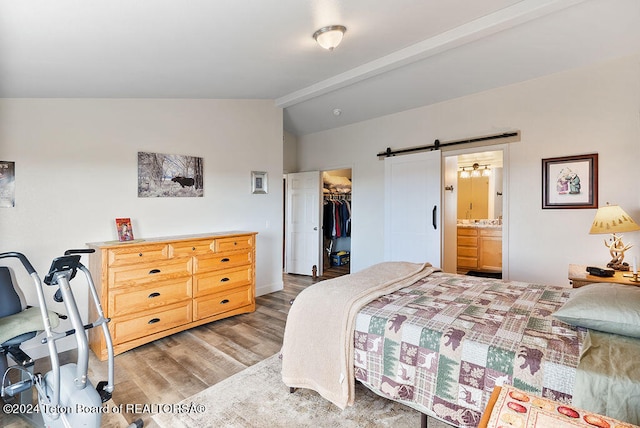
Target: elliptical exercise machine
point(66, 397)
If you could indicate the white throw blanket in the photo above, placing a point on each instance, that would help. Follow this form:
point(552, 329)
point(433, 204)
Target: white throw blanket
point(318, 349)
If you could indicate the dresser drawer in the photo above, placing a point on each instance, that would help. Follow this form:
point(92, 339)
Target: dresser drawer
point(128, 255)
point(467, 252)
point(217, 281)
point(468, 262)
point(214, 304)
point(467, 231)
point(468, 241)
point(153, 322)
point(127, 300)
point(147, 272)
point(234, 243)
point(191, 248)
point(221, 261)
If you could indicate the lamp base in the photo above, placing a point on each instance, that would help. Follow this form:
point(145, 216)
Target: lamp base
point(618, 266)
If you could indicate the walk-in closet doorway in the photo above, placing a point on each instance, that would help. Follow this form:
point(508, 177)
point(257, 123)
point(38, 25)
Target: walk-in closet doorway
point(317, 223)
point(336, 222)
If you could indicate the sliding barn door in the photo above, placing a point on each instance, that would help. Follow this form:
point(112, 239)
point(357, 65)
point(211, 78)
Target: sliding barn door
point(412, 208)
point(303, 222)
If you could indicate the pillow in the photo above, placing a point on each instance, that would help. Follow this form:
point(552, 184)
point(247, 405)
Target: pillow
point(608, 307)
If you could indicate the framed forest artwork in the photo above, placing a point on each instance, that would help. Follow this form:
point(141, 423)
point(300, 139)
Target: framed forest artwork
point(7, 184)
point(162, 175)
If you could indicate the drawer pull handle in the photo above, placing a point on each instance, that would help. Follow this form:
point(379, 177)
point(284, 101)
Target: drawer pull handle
point(224, 302)
point(152, 295)
point(235, 243)
point(193, 248)
point(152, 271)
point(153, 320)
point(140, 254)
point(226, 259)
point(225, 279)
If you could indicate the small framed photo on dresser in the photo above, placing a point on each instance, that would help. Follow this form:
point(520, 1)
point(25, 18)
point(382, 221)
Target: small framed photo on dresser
point(124, 229)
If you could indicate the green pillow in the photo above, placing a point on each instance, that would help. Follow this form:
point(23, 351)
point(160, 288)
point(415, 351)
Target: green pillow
point(612, 308)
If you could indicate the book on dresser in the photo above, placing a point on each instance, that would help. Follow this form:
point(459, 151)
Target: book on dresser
point(124, 229)
point(160, 286)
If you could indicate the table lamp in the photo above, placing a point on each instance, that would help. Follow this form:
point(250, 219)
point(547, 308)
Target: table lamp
point(613, 219)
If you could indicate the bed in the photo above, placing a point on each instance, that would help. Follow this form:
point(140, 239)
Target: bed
point(441, 342)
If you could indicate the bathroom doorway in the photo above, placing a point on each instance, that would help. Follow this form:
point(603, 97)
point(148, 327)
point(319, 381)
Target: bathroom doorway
point(475, 217)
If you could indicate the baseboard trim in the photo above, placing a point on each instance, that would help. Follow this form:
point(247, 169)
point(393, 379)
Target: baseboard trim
point(269, 288)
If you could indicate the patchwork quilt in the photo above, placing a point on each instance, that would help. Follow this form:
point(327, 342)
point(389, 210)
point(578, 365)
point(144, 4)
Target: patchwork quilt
point(443, 343)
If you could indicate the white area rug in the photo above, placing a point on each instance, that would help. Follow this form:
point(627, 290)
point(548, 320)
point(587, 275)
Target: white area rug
point(256, 397)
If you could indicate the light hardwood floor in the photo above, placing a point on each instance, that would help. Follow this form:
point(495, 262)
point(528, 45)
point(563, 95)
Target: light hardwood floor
point(176, 367)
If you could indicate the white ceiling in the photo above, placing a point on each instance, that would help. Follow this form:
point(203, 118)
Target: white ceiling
point(396, 54)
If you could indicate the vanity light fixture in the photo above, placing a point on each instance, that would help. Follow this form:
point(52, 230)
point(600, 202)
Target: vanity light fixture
point(329, 37)
point(475, 171)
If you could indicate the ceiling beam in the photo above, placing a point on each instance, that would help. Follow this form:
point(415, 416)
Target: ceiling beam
point(519, 13)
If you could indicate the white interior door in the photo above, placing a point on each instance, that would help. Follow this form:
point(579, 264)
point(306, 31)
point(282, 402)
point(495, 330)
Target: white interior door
point(412, 208)
point(303, 222)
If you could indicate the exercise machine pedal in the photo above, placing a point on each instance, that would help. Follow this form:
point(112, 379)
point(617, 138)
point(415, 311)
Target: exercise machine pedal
point(104, 395)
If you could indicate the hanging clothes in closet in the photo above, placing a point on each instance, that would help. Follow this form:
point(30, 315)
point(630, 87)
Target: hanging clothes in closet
point(336, 218)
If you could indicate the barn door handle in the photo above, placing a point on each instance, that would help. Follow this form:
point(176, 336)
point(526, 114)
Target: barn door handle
point(152, 295)
point(152, 271)
point(433, 216)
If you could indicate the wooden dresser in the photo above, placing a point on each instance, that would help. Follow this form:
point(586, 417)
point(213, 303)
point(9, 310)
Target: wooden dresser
point(156, 287)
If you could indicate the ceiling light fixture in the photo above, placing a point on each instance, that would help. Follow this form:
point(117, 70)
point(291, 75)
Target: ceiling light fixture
point(329, 37)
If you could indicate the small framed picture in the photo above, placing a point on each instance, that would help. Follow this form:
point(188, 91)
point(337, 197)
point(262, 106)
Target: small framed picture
point(124, 229)
point(570, 182)
point(259, 182)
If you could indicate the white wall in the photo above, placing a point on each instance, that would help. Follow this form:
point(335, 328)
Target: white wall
point(76, 171)
point(289, 153)
point(594, 109)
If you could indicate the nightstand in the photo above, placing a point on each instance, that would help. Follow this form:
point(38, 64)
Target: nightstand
point(578, 277)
